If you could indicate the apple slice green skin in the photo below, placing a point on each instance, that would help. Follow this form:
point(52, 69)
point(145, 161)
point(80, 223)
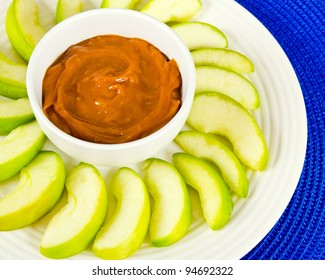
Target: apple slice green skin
point(67, 8)
point(125, 231)
point(12, 78)
point(215, 197)
point(211, 78)
point(72, 229)
point(39, 189)
point(219, 114)
point(23, 27)
point(19, 43)
point(223, 58)
point(125, 4)
point(14, 113)
point(139, 4)
point(19, 147)
point(197, 35)
point(171, 216)
point(210, 148)
point(172, 10)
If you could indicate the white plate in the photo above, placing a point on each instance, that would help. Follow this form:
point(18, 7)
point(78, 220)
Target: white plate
point(282, 118)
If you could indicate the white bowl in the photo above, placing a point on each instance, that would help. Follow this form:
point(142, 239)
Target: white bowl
point(123, 22)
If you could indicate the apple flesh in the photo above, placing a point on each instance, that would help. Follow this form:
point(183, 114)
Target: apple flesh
point(171, 216)
point(39, 188)
point(72, 229)
point(19, 147)
point(67, 8)
point(223, 58)
point(219, 114)
point(210, 148)
point(125, 4)
point(14, 113)
point(12, 78)
point(23, 31)
point(172, 10)
point(125, 231)
point(215, 197)
point(210, 78)
point(197, 35)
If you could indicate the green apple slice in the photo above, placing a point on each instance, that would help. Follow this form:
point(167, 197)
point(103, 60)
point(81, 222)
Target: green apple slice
point(126, 4)
point(39, 188)
point(215, 197)
point(211, 78)
point(217, 113)
point(14, 113)
point(200, 35)
point(12, 78)
point(210, 148)
point(171, 216)
point(172, 10)
point(15, 35)
point(72, 229)
point(67, 8)
point(19, 147)
point(223, 58)
point(124, 233)
point(23, 27)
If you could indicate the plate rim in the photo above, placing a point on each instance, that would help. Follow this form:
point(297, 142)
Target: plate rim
point(286, 201)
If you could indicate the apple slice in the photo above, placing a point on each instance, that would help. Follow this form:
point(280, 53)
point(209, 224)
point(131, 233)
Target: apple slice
point(171, 216)
point(23, 27)
point(223, 58)
point(124, 233)
point(126, 4)
point(215, 197)
point(72, 229)
point(67, 8)
point(217, 113)
point(14, 113)
point(39, 188)
point(172, 10)
point(200, 35)
point(210, 78)
point(210, 148)
point(19, 147)
point(12, 78)
point(15, 35)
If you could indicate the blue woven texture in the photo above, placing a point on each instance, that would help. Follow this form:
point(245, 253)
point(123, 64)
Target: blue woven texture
point(299, 27)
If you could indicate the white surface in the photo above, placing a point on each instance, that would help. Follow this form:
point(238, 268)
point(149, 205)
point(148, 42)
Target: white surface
point(282, 118)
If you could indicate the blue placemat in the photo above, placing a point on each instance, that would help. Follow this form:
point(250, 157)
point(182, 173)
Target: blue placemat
point(299, 27)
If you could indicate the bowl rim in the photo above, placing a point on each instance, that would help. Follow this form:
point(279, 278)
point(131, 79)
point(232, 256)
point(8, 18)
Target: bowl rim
point(42, 119)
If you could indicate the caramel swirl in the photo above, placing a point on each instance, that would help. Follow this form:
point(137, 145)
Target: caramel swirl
point(111, 89)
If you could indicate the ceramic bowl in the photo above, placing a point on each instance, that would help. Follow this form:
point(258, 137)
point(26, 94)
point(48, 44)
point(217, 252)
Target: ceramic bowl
point(126, 23)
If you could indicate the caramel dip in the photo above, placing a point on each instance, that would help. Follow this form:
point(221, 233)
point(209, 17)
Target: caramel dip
point(111, 89)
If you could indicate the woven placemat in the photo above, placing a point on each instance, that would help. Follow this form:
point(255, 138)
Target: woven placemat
point(299, 27)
